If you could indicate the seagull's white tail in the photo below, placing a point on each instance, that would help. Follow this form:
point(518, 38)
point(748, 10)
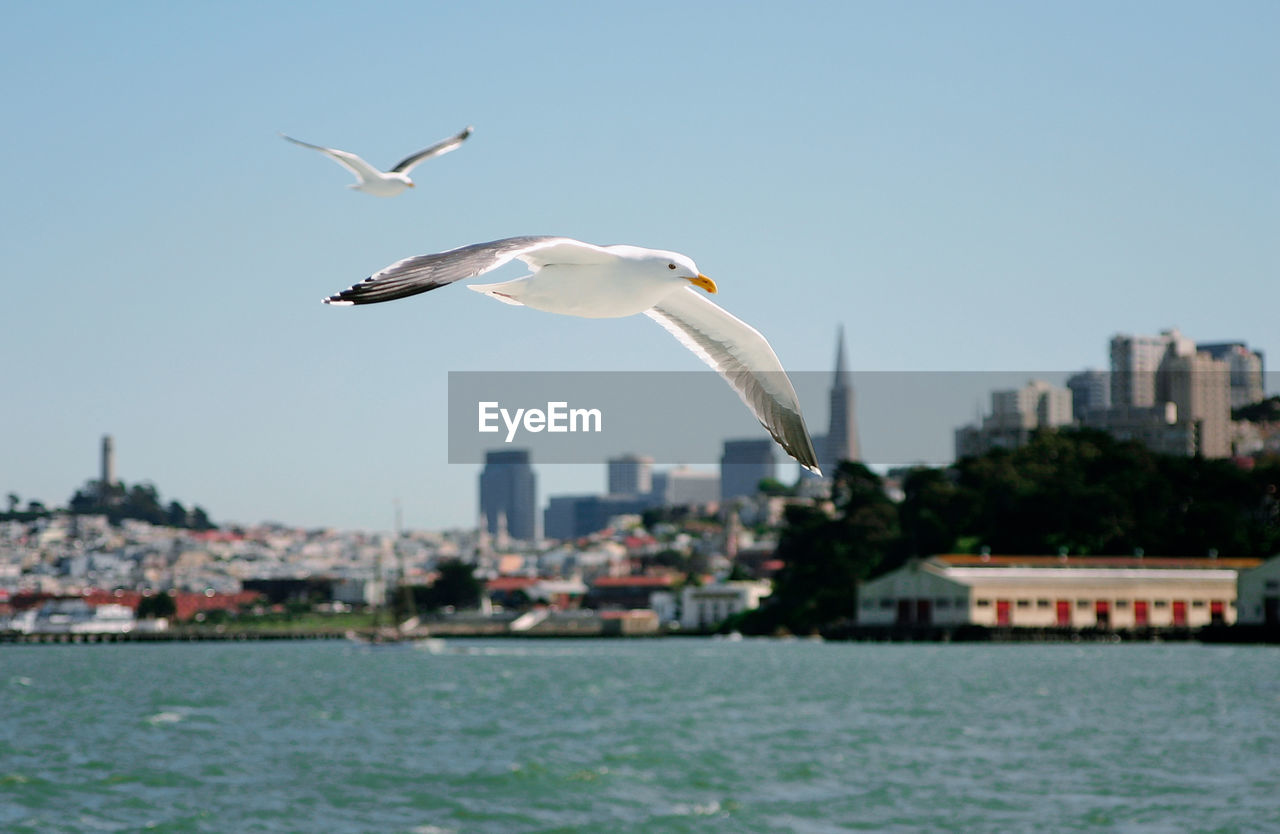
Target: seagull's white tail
point(505, 292)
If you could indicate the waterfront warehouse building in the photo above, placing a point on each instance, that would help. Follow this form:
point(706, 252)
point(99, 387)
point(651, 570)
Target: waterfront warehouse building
point(1055, 592)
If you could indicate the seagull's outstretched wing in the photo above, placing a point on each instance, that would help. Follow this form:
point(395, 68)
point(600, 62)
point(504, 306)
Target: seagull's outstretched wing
point(438, 148)
point(742, 356)
point(422, 273)
point(363, 170)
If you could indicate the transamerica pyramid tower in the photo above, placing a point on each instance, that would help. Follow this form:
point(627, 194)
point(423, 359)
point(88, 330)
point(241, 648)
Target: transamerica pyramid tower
point(841, 442)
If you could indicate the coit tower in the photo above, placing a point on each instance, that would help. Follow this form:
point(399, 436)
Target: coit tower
point(108, 466)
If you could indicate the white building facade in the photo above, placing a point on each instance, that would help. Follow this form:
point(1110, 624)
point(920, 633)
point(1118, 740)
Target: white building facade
point(710, 605)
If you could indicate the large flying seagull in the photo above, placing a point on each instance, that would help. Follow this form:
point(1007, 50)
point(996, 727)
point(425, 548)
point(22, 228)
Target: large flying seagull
point(580, 279)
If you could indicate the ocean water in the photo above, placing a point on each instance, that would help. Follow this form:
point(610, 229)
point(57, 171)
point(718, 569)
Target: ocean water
point(638, 736)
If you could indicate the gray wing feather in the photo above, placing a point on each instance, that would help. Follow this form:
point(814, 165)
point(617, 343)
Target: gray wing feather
point(744, 358)
point(423, 273)
point(438, 148)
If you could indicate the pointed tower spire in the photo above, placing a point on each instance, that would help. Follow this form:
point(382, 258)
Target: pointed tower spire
point(841, 371)
point(842, 432)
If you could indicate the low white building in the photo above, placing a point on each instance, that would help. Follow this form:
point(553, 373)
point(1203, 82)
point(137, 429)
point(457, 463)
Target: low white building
point(710, 605)
point(1258, 600)
point(1055, 591)
point(75, 616)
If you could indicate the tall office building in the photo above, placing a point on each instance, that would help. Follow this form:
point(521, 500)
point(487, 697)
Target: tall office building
point(1168, 395)
point(1134, 362)
point(841, 441)
point(744, 464)
point(685, 487)
point(630, 475)
point(509, 493)
point(1246, 367)
point(574, 516)
point(1200, 387)
point(1015, 414)
point(1090, 390)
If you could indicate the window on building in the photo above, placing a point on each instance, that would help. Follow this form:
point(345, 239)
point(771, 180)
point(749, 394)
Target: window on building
point(984, 603)
point(1042, 603)
point(943, 602)
point(1024, 603)
point(1083, 603)
point(1197, 603)
point(886, 602)
point(961, 602)
point(1273, 584)
point(1161, 603)
point(1122, 603)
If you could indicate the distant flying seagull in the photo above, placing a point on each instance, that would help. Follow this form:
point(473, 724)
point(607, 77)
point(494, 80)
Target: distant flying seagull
point(580, 279)
point(390, 183)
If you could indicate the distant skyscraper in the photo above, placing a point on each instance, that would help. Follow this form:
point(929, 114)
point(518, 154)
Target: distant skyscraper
point(1247, 369)
point(1134, 362)
point(1200, 387)
point(841, 442)
point(108, 476)
point(1169, 395)
point(1015, 414)
point(685, 487)
point(509, 490)
point(630, 475)
point(573, 516)
point(744, 465)
point(1090, 389)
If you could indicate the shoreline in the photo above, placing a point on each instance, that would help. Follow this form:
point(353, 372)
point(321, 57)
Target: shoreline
point(1233, 635)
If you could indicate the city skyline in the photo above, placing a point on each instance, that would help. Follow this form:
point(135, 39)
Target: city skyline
point(1004, 404)
point(990, 188)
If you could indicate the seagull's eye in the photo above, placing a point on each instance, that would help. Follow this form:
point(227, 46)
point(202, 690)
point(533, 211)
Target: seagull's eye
point(671, 266)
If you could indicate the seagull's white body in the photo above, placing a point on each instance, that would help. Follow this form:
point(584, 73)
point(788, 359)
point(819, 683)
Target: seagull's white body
point(379, 183)
point(580, 279)
point(613, 282)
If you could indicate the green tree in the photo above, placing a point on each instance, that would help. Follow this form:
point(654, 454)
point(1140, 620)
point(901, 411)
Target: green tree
point(772, 486)
point(200, 519)
point(456, 585)
point(827, 556)
point(153, 606)
point(176, 515)
point(143, 503)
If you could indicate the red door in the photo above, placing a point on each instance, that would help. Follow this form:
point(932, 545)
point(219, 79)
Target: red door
point(1140, 613)
point(1217, 612)
point(1002, 612)
point(1102, 611)
point(924, 612)
point(1179, 612)
point(904, 612)
point(1064, 612)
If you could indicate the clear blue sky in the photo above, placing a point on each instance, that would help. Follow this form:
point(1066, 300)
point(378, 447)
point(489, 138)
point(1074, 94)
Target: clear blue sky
point(965, 186)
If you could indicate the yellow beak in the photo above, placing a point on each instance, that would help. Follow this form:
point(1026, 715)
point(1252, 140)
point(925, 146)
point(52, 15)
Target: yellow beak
point(704, 282)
